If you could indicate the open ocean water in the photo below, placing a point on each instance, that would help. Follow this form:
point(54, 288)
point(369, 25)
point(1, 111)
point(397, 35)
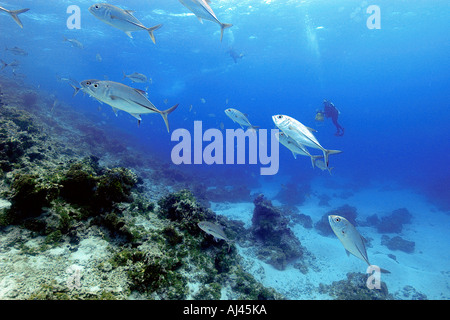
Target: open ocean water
point(384, 65)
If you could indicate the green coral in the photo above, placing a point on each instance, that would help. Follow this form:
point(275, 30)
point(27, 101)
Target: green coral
point(355, 288)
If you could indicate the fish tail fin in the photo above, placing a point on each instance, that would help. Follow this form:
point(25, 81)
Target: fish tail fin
point(326, 153)
point(165, 113)
point(4, 64)
point(124, 75)
point(329, 169)
point(224, 26)
point(150, 32)
point(14, 14)
point(313, 160)
point(75, 88)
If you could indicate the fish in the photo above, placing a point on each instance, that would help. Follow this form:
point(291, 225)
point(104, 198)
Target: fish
point(121, 19)
point(240, 118)
point(13, 64)
point(295, 147)
point(98, 57)
point(136, 77)
point(17, 51)
point(202, 100)
point(74, 43)
point(202, 10)
point(350, 238)
point(215, 230)
point(320, 164)
point(122, 97)
point(14, 14)
point(301, 134)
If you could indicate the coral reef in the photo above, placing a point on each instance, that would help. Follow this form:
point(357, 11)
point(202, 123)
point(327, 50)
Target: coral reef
point(355, 288)
point(398, 243)
point(293, 193)
point(393, 223)
point(277, 243)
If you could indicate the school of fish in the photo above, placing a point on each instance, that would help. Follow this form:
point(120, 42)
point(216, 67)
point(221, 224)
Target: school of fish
point(293, 134)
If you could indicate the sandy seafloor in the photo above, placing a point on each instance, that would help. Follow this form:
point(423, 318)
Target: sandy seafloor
point(427, 269)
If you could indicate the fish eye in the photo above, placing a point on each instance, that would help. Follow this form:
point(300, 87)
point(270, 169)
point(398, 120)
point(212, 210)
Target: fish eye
point(88, 83)
point(337, 219)
point(95, 85)
point(97, 7)
point(279, 117)
point(343, 232)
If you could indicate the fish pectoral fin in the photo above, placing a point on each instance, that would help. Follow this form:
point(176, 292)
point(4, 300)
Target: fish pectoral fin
point(295, 156)
point(136, 115)
point(129, 34)
point(115, 98)
point(115, 111)
point(200, 19)
point(347, 252)
point(311, 129)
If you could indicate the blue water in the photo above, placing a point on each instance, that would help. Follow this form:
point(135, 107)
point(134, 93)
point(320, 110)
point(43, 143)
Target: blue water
point(391, 84)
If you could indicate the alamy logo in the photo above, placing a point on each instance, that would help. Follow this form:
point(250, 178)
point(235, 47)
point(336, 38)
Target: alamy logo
point(74, 277)
point(374, 280)
point(190, 150)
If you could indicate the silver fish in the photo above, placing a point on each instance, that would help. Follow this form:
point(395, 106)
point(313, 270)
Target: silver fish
point(120, 19)
point(122, 97)
point(301, 134)
point(74, 43)
point(13, 64)
point(14, 14)
point(136, 77)
point(240, 118)
point(98, 57)
point(295, 147)
point(320, 164)
point(350, 238)
point(17, 51)
point(215, 230)
point(202, 10)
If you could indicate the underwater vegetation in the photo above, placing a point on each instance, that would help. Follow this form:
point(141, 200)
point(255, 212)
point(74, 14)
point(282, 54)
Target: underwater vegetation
point(65, 204)
point(277, 244)
point(354, 288)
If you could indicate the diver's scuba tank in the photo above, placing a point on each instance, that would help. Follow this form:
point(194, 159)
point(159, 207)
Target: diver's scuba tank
point(319, 116)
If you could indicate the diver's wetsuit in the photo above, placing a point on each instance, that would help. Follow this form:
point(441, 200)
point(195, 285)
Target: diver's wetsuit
point(332, 112)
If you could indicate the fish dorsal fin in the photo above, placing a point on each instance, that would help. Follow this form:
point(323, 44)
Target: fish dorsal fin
point(295, 156)
point(347, 252)
point(246, 115)
point(129, 34)
point(208, 1)
point(200, 19)
point(130, 12)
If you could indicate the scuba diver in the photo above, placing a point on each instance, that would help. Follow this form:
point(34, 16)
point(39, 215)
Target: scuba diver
point(330, 111)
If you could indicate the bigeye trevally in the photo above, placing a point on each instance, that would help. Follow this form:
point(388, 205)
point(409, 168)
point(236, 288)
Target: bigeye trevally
point(301, 134)
point(123, 97)
point(295, 147)
point(240, 118)
point(120, 19)
point(202, 10)
point(350, 238)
